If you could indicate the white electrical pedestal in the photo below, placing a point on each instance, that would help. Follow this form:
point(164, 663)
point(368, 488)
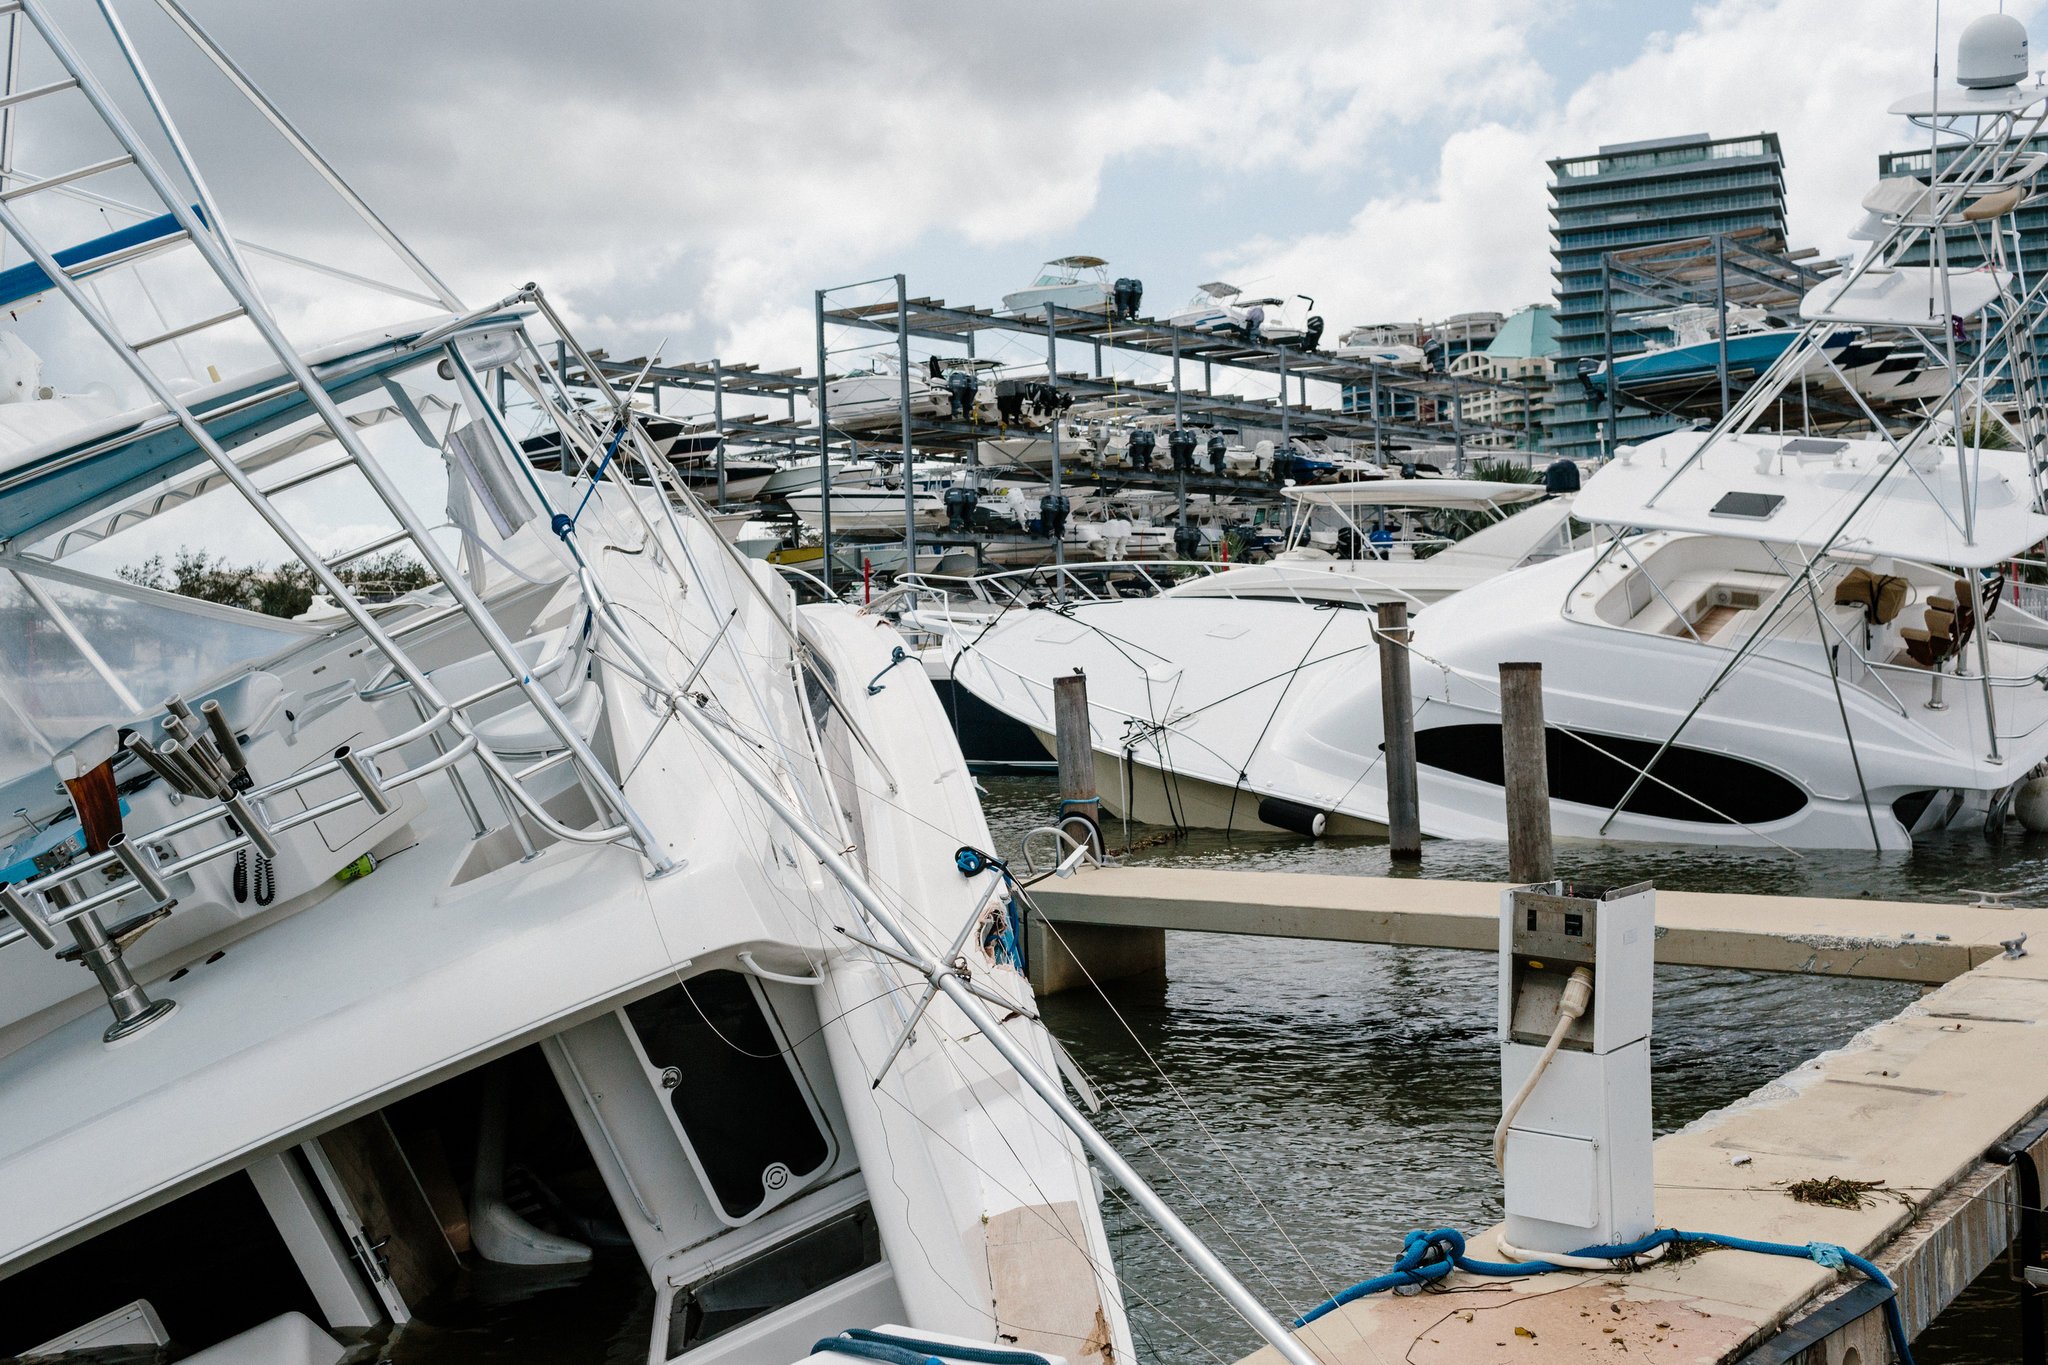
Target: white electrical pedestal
point(1577, 1161)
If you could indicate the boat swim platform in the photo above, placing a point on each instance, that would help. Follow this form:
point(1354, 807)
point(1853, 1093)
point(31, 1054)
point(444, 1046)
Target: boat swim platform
point(1914, 1102)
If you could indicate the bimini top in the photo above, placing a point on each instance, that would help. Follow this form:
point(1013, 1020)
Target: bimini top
point(1801, 490)
point(1079, 262)
point(1468, 494)
point(103, 460)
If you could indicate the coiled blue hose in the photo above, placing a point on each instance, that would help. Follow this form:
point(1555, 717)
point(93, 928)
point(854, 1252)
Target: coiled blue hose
point(1429, 1256)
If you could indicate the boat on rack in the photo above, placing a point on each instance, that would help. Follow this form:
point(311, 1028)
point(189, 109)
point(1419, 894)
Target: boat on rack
point(1778, 639)
point(1852, 369)
point(592, 911)
point(872, 396)
point(1081, 283)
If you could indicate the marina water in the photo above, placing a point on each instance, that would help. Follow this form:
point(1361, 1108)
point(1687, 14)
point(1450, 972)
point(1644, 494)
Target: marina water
point(1308, 1102)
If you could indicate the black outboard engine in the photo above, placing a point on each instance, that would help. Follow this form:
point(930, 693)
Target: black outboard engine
point(1561, 477)
point(1219, 451)
point(1143, 442)
point(960, 387)
point(1312, 333)
point(1283, 464)
point(960, 502)
point(1052, 514)
point(1181, 445)
point(1010, 400)
point(1124, 298)
point(1187, 542)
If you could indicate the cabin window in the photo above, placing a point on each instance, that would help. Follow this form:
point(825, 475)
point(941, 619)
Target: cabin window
point(746, 1114)
point(782, 1275)
point(1706, 783)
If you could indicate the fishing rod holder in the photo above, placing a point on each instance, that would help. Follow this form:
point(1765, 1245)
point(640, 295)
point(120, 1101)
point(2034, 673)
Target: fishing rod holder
point(100, 950)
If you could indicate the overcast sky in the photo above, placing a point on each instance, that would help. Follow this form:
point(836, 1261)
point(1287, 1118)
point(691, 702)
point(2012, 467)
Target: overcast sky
point(687, 174)
point(693, 171)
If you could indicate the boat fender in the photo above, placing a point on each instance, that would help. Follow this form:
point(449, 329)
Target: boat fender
point(1293, 816)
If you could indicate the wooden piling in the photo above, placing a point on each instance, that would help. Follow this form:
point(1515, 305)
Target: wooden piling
point(1525, 773)
point(1397, 711)
point(1076, 753)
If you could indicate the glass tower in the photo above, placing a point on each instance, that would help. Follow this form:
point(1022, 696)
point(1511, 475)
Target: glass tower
point(1636, 194)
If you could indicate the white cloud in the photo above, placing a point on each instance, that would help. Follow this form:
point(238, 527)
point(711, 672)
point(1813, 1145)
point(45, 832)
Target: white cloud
point(1475, 235)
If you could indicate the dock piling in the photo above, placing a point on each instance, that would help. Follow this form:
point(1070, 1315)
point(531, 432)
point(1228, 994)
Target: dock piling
point(1525, 772)
point(1397, 706)
point(1078, 797)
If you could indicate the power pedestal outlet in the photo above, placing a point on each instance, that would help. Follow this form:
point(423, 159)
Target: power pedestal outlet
point(1577, 1161)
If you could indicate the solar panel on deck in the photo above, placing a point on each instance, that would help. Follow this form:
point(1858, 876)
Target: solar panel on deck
point(1755, 506)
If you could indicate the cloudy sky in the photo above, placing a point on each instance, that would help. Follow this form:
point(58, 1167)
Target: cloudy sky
point(692, 171)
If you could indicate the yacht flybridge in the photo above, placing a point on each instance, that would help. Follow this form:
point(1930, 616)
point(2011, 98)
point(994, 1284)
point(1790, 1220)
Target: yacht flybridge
point(591, 895)
point(1780, 638)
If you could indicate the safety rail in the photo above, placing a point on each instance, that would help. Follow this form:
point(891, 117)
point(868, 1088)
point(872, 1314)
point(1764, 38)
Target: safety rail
point(244, 810)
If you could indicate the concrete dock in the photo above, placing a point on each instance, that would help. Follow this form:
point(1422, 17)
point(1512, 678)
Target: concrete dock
point(1913, 1102)
point(1113, 919)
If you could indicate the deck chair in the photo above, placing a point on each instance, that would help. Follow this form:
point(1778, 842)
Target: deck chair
point(1928, 645)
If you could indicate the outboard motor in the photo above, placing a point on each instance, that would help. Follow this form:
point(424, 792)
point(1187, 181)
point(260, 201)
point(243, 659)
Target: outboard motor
point(1143, 442)
point(1254, 319)
point(1181, 445)
point(1561, 477)
point(1010, 400)
point(960, 502)
point(1187, 542)
point(1052, 514)
point(1283, 464)
point(1219, 451)
point(1124, 298)
point(1312, 333)
point(960, 386)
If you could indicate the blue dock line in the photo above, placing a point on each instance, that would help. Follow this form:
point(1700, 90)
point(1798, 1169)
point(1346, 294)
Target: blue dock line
point(863, 1343)
point(1427, 1257)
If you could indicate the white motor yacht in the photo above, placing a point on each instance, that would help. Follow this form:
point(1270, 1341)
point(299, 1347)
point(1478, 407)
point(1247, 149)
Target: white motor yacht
point(592, 909)
point(1378, 540)
point(1777, 640)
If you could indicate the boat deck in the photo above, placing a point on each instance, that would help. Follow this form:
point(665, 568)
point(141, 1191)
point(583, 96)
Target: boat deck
point(383, 986)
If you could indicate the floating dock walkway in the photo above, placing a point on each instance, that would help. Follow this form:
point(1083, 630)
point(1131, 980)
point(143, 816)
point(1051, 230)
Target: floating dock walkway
point(1915, 1102)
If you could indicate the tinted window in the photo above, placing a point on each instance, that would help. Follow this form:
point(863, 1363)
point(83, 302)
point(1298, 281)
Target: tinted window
point(1743, 792)
point(782, 1275)
point(740, 1100)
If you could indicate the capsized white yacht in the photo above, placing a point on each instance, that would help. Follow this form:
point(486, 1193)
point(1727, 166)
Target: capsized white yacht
point(1779, 640)
point(592, 895)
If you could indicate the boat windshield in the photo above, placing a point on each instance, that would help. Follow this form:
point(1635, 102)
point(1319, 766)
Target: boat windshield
point(78, 652)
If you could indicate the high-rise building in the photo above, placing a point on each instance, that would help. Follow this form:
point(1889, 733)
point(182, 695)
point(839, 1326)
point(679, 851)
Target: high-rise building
point(1635, 194)
point(1523, 351)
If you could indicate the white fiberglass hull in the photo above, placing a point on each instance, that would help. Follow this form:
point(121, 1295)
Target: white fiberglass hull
point(867, 511)
point(1287, 695)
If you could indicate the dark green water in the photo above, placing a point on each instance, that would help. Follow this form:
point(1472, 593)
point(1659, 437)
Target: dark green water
point(1308, 1103)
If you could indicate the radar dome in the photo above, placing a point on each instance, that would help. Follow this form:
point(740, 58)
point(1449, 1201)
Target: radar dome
point(1993, 52)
